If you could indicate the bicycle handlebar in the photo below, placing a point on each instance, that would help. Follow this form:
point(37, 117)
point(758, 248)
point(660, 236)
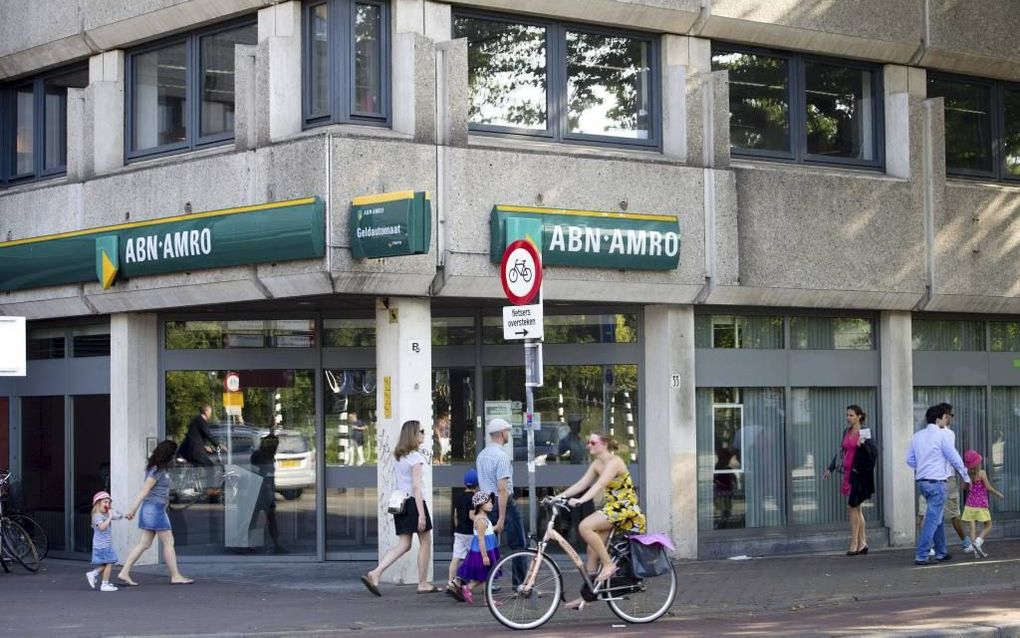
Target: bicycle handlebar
point(556, 501)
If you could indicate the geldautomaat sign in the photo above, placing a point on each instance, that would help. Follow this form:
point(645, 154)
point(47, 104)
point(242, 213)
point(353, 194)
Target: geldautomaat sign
point(251, 234)
point(391, 224)
point(590, 239)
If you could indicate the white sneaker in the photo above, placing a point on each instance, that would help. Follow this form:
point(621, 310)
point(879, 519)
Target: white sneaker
point(969, 548)
point(108, 587)
point(979, 548)
point(91, 577)
point(931, 552)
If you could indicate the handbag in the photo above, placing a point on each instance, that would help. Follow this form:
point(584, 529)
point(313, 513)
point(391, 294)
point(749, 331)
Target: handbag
point(396, 503)
point(648, 560)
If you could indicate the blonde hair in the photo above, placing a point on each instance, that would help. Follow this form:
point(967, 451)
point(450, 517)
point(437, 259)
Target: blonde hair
point(608, 439)
point(98, 503)
point(408, 441)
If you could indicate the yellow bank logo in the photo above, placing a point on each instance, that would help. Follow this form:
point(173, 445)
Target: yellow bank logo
point(107, 260)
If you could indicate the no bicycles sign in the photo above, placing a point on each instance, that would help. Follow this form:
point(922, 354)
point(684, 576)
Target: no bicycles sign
point(520, 272)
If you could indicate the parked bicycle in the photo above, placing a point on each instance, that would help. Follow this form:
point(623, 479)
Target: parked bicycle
point(15, 543)
point(534, 601)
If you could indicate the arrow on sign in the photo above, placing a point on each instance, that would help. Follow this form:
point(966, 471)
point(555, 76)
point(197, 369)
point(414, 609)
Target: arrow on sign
point(522, 333)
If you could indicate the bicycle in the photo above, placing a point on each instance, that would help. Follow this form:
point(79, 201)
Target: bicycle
point(15, 542)
point(521, 270)
point(534, 601)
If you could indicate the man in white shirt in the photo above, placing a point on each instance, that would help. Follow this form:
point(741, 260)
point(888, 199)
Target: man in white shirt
point(952, 509)
point(931, 453)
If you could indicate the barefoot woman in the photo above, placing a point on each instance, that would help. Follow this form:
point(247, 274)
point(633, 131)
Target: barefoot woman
point(607, 473)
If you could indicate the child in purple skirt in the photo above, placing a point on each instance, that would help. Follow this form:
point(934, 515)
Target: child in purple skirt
point(484, 552)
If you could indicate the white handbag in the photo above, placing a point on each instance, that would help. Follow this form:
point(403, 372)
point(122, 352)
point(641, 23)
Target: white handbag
point(396, 503)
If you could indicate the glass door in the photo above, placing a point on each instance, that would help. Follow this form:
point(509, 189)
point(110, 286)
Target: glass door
point(42, 491)
point(90, 419)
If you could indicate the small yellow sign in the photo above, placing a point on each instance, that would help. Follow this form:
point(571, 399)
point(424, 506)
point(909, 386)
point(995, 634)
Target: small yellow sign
point(233, 399)
point(387, 397)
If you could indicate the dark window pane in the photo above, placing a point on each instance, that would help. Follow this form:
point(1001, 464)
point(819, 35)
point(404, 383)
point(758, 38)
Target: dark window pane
point(218, 78)
point(1011, 102)
point(55, 131)
point(319, 60)
point(608, 85)
point(45, 348)
point(759, 100)
point(24, 122)
point(840, 111)
point(368, 75)
point(97, 345)
point(160, 100)
point(506, 72)
point(968, 123)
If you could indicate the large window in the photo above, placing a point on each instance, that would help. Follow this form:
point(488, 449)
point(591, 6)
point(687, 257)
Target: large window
point(346, 69)
point(948, 335)
point(738, 332)
point(33, 125)
point(180, 93)
point(560, 81)
point(802, 108)
point(982, 125)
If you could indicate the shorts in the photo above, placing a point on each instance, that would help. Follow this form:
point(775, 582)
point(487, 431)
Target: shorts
point(461, 545)
point(104, 556)
point(407, 523)
point(153, 517)
point(952, 508)
point(977, 514)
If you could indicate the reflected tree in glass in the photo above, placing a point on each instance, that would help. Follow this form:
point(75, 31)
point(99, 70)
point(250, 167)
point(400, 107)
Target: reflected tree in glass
point(968, 123)
point(1011, 102)
point(608, 89)
point(367, 59)
point(838, 108)
point(759, 100)
point(506, 72)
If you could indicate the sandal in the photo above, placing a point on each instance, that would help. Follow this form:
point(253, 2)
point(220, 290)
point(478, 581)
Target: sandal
point(370, 586)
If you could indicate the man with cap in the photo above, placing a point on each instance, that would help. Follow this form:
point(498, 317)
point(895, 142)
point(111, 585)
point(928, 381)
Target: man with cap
point(496, 475)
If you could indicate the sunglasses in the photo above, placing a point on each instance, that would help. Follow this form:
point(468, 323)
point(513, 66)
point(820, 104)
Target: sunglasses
point(593, 442)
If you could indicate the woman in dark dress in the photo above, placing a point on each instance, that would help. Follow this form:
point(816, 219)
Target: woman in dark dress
point(856, 460)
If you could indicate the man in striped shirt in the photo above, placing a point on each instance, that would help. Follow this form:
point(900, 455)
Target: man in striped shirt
point(496, 475)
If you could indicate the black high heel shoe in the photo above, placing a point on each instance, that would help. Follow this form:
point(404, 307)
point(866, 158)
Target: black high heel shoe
point(863, 551)
point(852, 553)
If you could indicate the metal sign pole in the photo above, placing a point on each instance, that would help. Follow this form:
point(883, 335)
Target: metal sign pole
point(530, 398)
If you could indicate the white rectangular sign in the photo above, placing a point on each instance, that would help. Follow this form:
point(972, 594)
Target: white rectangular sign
point(12, 347)
point(523, 322)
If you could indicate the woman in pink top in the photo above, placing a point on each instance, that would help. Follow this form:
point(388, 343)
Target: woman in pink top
point(856, 460)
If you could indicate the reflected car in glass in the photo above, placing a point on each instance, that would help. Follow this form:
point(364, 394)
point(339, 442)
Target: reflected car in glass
point(295, 463)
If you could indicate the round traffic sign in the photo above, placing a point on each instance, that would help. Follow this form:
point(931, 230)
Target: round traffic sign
point(521, 272)
point(232, 382)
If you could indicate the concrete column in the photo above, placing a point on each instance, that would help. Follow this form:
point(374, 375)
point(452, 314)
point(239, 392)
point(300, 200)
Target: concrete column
point(79, 134)
point(106, 84)
point(452, 97)
point(900, 83)
point(244, 97)
point(414, 68)
point(669, 454)
point(134, 405)
point(897, 425)
point(278, 72)
point(403, 355)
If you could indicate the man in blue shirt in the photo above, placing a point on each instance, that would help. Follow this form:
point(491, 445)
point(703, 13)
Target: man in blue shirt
point(931, 454)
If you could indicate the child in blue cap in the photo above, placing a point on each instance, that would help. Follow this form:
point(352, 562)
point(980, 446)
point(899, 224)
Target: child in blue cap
point(463, 531)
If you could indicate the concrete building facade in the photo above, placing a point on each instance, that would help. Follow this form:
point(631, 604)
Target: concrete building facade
point(841, 179)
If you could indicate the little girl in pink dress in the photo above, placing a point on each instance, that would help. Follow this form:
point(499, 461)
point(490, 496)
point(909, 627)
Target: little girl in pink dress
point(976, 508)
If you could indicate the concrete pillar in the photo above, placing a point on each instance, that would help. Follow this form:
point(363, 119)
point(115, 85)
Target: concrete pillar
point(278, 72)
point(106, 85)
point(403, 355)
point(684, 59)
point(669, 452)
point(414, 68)
point(79, 134)
point(245, 138)
point(897, 425)
point(134, 406)
point(900, 83)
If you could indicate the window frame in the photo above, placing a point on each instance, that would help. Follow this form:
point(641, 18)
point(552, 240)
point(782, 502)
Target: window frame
point(997, 124)
point(8, 125)
point(796, 98)
point(342, 58)
point(193, 71)
point(557, 79)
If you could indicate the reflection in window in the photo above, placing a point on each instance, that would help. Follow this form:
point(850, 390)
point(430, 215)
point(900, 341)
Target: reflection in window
point(969, 416)
point(1011, 121)
point(349, 333)
point(55, 109)
point(604, 397)
point(349, 416)
point(453, 331)
point(1002, 457)
point(453, 419)
point(968, 123)
point(217, 78)
point(832, 333)
point(840, 111)
point(318, 61)
point(368, 56)
point(608, 85)
point(817, 424)
point(741, 448)
point(254, 333)
point(948, 335)
point(759, 100)
point(159, 109)
point(1004, 336)
point(506, 72)
point(732, 331)
point(24, 131)
point(259, 495)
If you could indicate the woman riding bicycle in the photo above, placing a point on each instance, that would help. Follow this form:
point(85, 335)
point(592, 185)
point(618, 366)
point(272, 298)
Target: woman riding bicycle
point(607, 472)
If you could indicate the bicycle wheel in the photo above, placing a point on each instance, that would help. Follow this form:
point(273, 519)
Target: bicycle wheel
point(519, 609)
point(35, 532)
point(647, 600)
point(17, 544)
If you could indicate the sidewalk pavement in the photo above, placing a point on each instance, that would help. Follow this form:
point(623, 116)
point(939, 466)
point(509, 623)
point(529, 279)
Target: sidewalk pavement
point(881, 593)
